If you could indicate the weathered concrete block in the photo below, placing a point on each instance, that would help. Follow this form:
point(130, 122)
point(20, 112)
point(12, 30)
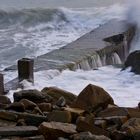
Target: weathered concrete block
point(25, 69)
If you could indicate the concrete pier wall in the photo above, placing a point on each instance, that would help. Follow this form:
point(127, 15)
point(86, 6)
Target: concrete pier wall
point(108, 44)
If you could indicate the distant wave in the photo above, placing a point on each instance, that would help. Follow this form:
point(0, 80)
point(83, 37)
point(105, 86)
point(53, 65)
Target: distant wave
point(30, 17)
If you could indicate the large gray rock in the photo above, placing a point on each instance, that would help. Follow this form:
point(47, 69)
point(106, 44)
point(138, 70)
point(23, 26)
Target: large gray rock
point(114, 111)
point(32, 95)
point(133, 61)
point(29, 105)
point(9, 116)
point(92, 97)
point(132, 128)
point(53, 130)
point(60, 116)
point(16, 106)
point(4, 100)
point(86, 124)
point(56, 93)
point(18, 131)
point(88, 136)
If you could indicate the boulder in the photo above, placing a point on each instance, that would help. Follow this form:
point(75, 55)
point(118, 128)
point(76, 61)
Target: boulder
point(133, 61)
point(56, 93)
point(45, 107)
point(118, 135)
point(84, 125)
point(6, 123)
point(32, 119)
point(32, 95)
point(132, 127)
point(16, 106)
point(18, 131)
point(91, 98)
point(114, 111)
point(113, 119)
point(39, 137)
point(61, 102)
point(134, 112)
point(37, 111)
point(75, 112)
point(60, 116)
point(4, 100)
point(29, 105)
point(88, 136)
point(53, 130)
point(100, 123)
point(9, 116)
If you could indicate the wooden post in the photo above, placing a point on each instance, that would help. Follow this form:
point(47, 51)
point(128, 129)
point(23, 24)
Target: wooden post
point(1, 84)
point(25, 69)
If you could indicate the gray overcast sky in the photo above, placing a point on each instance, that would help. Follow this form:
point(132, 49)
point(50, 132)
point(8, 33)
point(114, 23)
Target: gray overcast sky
point(55, 3)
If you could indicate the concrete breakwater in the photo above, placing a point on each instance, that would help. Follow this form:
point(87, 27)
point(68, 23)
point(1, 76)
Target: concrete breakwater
point(108, 44)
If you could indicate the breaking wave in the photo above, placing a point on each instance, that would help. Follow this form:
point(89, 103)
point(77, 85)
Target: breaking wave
point(33, 32)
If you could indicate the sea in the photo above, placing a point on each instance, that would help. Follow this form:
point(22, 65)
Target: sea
point(29, 28)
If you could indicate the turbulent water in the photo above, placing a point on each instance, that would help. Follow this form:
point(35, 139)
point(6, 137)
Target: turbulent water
point(35, 31)
point(29, 29)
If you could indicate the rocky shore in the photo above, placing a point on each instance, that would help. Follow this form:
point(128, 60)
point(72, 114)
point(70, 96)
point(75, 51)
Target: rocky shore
point(55, 114)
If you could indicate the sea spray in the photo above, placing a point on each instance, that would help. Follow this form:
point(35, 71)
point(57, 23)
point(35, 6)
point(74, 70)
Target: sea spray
point(133, 17)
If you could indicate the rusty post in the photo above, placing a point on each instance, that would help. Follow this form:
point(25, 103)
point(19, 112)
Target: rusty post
point(1, 84)
point(25, 69)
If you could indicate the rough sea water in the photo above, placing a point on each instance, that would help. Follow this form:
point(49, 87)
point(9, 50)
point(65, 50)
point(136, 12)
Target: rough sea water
point(33, 28)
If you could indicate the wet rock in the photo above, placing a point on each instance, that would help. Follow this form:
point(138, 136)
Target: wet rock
point(18, 131)
point(16, 106)
point(56, 93)
point(32, 95)
point(115, 111)
point(32, 119)
point(37, 111)
point(83, 126)
point(88, 136)
point(6, 123)
point(100, 123)
point(134, 112)
point(118, 135)
point(21, 122)
point(23, 138)
point(133, 61)
point(132, 127)
point(29, 105)
point(60, 116)
point(55, 107)
point(92, 97)
point(75, 112)
point(53, 130)
point(10, 116)
point(113, 128)
point(61, 138)
point(61, 102)
point(115, 120)
point(45, 107)
point(4, 100)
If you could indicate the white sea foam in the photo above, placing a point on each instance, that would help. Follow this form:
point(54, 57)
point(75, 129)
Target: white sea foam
point(133, 14)
point(123, 86)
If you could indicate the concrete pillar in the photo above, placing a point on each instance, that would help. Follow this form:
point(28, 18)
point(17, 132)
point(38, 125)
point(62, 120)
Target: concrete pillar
point(25, 69)
point(1, 84)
